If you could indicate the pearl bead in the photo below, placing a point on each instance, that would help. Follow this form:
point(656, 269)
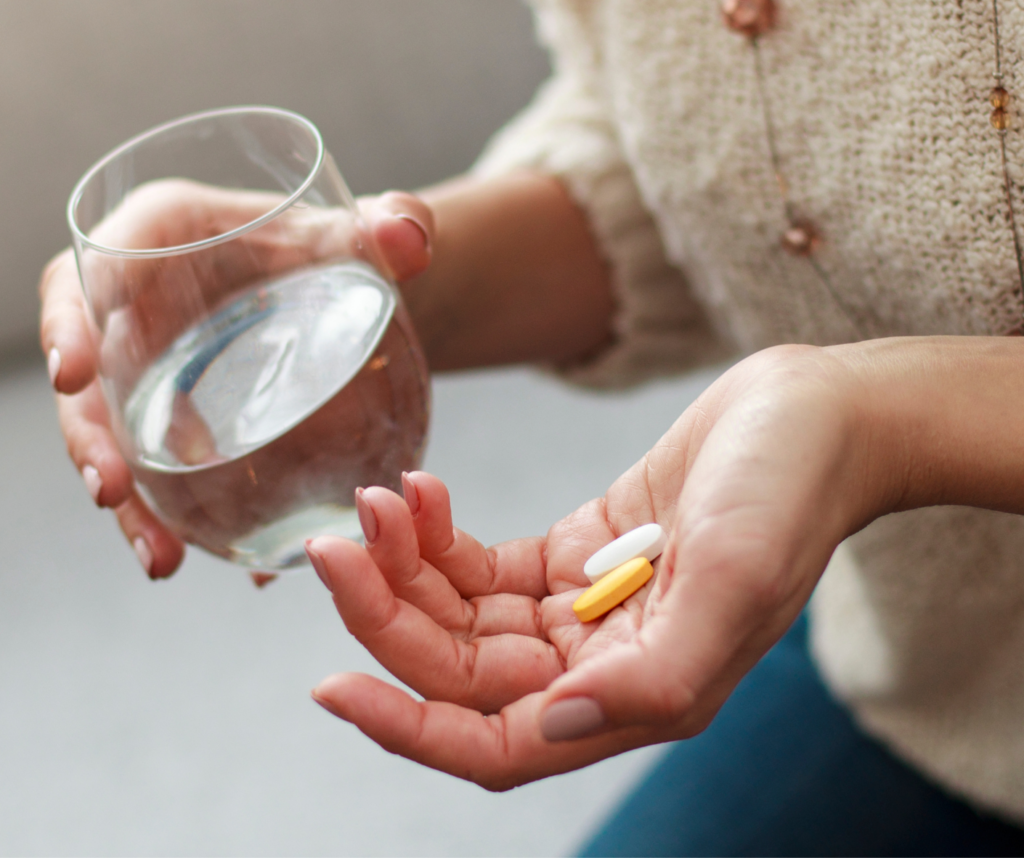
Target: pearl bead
point(749, 17)
point(800, 238)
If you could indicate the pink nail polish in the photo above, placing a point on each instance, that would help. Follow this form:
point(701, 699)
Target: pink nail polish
point(93, 482)
point(145, 555)
point(418, 225)
point(367, 517)
point(53, 365)
point(571, 718)
point(412, 496)
point(318, 564)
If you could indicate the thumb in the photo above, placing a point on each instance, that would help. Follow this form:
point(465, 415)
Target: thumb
point(630, 684)
point(401, 230)
point(697, 641)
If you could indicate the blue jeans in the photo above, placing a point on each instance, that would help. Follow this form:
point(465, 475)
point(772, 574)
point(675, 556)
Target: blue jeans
point(783, 770)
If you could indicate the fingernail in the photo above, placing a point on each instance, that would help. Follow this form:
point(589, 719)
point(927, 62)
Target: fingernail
point(93, 482)
point(418, 225)
point(321, 701)
point(53, 365)
point(367, 519)
point(318, 564)
point(145, 555)
point(571, 718)
point(412, 497)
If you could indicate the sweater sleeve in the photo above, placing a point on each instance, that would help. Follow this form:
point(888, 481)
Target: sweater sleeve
point(568, 132)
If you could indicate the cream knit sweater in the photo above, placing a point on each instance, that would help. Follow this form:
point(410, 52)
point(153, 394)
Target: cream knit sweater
point(654, 122)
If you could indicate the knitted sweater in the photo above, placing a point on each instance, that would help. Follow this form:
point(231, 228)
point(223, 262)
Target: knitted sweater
point(654, 121)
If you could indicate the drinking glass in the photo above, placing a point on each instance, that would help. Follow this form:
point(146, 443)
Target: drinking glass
point(257, 364)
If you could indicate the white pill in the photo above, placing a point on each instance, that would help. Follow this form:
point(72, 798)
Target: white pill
point(648, 541)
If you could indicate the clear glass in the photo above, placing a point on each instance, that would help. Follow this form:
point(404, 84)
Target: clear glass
point(257, 365)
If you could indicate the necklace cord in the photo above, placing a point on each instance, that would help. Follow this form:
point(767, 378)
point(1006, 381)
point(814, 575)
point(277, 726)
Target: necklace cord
point(794, 222)
point(999, 99)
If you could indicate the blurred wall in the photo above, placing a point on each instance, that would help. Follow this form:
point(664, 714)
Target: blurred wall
point(405, 92)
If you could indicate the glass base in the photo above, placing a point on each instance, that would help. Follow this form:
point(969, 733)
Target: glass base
point(281, 546)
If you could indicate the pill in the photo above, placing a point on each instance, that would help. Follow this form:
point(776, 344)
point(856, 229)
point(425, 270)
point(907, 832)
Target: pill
point(613, 589)
point(648, 541)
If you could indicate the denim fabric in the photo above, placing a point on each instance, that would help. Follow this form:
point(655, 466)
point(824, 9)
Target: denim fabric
point(783, 770)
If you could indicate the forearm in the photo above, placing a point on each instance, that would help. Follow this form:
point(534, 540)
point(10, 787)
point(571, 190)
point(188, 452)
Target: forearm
point(515, 276)
point(942, 420)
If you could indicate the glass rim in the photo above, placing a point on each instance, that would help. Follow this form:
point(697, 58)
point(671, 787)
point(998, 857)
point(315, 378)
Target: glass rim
point(179, 249)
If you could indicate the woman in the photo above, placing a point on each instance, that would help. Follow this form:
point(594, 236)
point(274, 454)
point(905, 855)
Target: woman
point(698, 180)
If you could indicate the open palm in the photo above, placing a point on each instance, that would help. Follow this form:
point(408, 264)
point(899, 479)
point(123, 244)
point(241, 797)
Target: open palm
point(478, 630)
point(469, 625)
point(488, 636)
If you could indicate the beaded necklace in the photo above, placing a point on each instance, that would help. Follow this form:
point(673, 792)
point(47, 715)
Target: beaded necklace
point(800, 237)
point(999, 98)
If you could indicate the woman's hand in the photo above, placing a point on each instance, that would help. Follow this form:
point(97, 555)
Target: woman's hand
point(757, 483)
point(400, 227)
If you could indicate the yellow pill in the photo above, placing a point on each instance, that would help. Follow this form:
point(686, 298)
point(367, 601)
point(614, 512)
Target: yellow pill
point(613, 589)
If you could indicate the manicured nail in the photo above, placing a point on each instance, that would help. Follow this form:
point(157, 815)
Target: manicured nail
point(145, 555)
point(53, 365)
point(571, 718)
point(318, 563)
point(93, 482)
point(418, 225)
point(412, 497)
point(367, 518)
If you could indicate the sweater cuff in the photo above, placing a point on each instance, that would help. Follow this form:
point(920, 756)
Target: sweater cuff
point(658, 327)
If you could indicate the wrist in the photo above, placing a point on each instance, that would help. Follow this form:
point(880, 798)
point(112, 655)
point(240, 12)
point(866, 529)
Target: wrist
point(874, 395)
point(943, 419)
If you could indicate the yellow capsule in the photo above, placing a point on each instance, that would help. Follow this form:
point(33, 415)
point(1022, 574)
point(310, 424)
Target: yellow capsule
point(613, 589)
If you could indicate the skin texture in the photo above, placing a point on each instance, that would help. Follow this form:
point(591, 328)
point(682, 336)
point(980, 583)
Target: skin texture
point(787, 454)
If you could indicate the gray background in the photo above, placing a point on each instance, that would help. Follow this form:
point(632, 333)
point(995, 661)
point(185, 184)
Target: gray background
point(174, 718)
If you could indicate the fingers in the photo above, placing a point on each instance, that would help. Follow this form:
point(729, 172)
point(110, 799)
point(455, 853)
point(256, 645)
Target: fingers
point(511, 567)
point(397, 553)
point(159, 551)
point(392, 543)
point(497, 752)
point(64, 326)
point(484, 673)
point(91, 446)
point(401, 229)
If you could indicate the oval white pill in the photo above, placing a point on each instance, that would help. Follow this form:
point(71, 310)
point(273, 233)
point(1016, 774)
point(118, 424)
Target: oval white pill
point(648, 541)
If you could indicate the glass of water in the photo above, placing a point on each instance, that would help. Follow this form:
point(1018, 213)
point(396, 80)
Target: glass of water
point(257, 365)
